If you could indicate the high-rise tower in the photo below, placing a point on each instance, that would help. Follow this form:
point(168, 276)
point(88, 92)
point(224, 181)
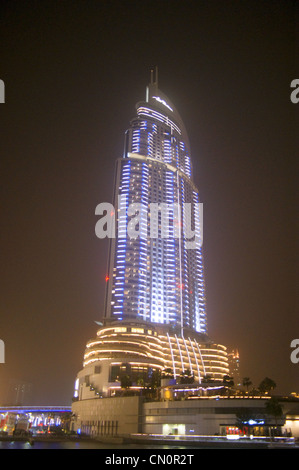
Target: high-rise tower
point(154, 318)
point(157, 276)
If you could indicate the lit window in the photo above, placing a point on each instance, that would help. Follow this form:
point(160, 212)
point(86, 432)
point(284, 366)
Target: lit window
point(137, 330)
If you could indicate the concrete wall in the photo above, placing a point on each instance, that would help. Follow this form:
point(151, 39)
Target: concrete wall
point(107, 416)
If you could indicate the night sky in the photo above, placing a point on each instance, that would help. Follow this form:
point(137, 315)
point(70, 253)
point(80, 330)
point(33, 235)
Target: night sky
point(73, 71)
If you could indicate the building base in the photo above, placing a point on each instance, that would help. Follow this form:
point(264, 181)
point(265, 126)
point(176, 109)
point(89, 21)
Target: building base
point(135, 356)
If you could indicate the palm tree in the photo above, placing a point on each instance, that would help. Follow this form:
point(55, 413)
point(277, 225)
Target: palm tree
point(125, 382)
point(154, 383)
point(141, 383)
point(66, 420)
point(167, 373)
point(229, 381)
point(274, 408)
point(267, 385)
point(246, 382)
point(187, 377)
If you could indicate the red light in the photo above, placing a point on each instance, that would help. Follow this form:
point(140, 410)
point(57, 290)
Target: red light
point(107, 278)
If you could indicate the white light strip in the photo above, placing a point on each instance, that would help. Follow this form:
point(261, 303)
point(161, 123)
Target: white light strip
point(173, 362)
point(203, 365)
point(182, 362)
point(190, 363)
point(162, 102)
point(198, 371)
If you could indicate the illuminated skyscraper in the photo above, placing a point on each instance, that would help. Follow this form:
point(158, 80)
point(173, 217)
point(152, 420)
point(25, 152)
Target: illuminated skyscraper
point(158, 275)
point(234, 366)
point(154, 317)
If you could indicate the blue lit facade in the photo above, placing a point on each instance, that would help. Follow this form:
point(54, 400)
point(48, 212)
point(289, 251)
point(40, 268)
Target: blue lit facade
point(155, 277)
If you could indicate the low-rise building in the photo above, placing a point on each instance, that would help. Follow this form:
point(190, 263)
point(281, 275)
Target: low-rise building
point(193, 416)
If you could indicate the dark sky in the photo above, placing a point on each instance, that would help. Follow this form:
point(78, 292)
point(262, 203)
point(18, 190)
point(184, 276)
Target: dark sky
point(73, 72)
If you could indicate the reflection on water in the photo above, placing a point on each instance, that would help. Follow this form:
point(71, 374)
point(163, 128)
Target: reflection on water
point(77, 445)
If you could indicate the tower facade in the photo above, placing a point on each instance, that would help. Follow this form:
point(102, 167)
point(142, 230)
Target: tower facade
point(154, 320)
point(156, 272)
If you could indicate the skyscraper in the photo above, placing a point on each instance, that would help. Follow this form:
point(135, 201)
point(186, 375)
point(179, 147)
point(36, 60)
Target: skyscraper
point(234, 366)
point(158, 275)
point(154, 317)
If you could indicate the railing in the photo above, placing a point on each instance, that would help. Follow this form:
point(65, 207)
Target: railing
point(35, 409)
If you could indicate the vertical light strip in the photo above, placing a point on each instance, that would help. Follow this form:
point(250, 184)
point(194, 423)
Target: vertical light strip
point(203, 365)
point(143, 247)
point(180, 253)
point(179, 348)
point(121, 249)
point(190, 363)
point(172, 356)
point(198, 370)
